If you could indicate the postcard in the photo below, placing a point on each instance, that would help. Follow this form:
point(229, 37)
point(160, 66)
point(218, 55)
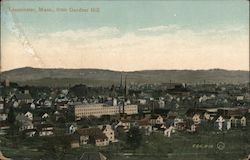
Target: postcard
point(124, 79)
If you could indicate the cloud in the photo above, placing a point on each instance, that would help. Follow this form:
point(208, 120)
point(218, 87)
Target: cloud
point(111, 48)
point(160, 28)
point(83, 33)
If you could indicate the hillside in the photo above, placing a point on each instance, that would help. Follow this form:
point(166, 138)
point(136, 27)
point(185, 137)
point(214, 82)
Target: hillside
point(60, 77)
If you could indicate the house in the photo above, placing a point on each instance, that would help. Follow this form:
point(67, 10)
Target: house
point(32, 106)
point(23, 98)
point(45, 115)
point(243, 121)
point(1, 105)
point(125, 124)
point(145, 125)
point(30, 132)
point(72, 128)
point(161, 104)
point(159, 127)
point(100, 140)
point(168, 131)
point(197, 115)
point(29, 115)
point(83, 135)
point(192, 128)
point(93, 156)
point(207, 116)
point(220, 120)
point(142, 101)
point(196, 118)
point(239, 98)
point(15, 104)
point(45, 129)
point(109, 132)
point(92, 135)
point(176, 120)
point(62, 105)
point(4, 126)
point(24, 122)
point(47, 103)
point(26, 125)
point(74, 141)
point(156, 119)
point(232, 111)
point(20, 118)
point(181, 126)
point(235, 121)
point(3, 116)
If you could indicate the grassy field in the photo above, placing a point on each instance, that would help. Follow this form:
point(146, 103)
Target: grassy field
point(230, 145)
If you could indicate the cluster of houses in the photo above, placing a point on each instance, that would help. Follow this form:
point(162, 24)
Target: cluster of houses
point(34, 126)
point(166, 123)
point(150, 114)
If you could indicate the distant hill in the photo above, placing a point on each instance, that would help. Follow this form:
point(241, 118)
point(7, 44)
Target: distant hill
point(62, 77)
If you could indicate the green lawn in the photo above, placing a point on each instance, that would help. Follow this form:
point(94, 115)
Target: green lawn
point(181, 146)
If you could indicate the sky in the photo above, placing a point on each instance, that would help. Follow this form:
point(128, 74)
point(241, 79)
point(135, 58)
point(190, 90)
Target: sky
point(125, 35)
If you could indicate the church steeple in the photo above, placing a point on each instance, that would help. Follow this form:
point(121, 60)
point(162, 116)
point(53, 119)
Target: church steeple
point(125, 88)
point(121, 81)
point(125, 94)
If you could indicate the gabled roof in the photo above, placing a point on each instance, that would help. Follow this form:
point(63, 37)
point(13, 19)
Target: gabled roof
point(143, 122)
point(92, 156)
point(22, 118)
point(162, 112)
point(22, 96)
point(192, 111)
point(155, 116)
point(93, 132)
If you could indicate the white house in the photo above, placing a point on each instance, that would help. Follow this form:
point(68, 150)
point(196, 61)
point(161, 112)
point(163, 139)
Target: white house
point(15, 104)
point(32, 106)
point(168, 131)
point(207, 116)
point(109, 132)
point(47, 103)
point(193, 128)
point(220, 120)
point(243, 121)
point(45, 130)
point(123, 123)
point(1, 105)
point(161, 104)
point(29, 115)
point(3, 116)
point(72, 128)
point(45, 115)
point(229, 125)
point(239, 98)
